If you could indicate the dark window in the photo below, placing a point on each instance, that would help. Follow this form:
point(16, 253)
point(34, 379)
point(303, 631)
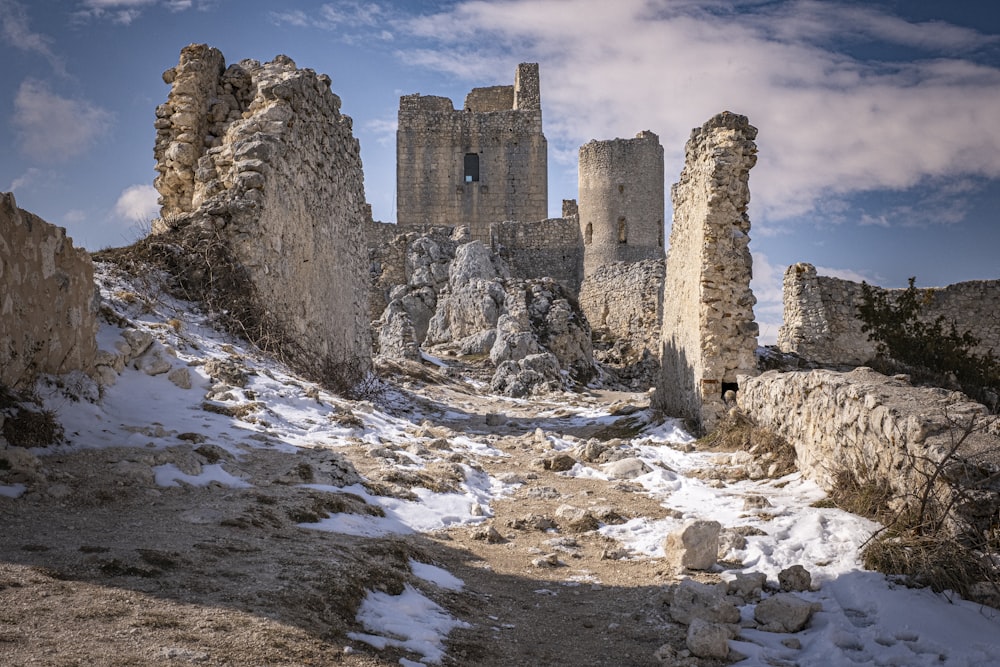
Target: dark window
point(588, 234)
point(471, 167)
point(622, 233)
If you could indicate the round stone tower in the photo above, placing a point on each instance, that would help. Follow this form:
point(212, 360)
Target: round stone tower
point(621, 200)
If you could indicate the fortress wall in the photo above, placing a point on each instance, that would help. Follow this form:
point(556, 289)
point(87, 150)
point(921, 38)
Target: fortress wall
point(625, 299)
point(49, 303)
point(821, 323)
point(709, 332)
point(549, 248)
point(259, 158)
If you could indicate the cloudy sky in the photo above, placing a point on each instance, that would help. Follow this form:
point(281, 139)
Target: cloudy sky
point(879, 142)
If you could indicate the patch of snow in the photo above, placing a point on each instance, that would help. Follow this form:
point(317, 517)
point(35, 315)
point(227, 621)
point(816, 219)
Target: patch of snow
point(409, 621)
point(169, 475)
point(436, 575)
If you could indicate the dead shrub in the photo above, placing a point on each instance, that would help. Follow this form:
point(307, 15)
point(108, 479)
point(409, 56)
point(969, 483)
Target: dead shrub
point(943, 564)
point(25, 425)
point(738, 432)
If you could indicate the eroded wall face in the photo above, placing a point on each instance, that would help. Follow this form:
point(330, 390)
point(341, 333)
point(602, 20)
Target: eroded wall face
point(545, 249)
point(709, 332)
point(621, 200)
point(625, 300)
point(48, 306)
point(821, 322)
point(476, 166)
point(259, 157)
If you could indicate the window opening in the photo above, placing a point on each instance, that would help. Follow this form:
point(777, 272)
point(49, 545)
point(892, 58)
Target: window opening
point(471, 167)
point(588, 234)
point(622, 236)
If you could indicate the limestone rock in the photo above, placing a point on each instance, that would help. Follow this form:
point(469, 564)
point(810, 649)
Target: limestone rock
point(694, 546)
point(575, 519)
point(692, 599)
point(181, 377)
point(784, 612)
point(795, 579)
point(627, 468)
point(708, 640)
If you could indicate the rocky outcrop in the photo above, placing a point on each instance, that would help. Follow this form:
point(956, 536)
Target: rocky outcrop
point(424, 264)
point(709, 332)
point(260, 171)
point(48, 307)
point(472, 302)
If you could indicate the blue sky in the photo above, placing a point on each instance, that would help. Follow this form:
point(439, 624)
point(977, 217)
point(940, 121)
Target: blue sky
point(879, 143)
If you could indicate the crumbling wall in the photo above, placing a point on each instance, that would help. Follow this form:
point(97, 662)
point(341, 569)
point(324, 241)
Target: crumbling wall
point(621, 200)
point(48, 307)
point(709, 332)
point(256, 158)
point(821, 322)
point(550, 248)
point(623, 301)
point(486, 163)
point(881, 430)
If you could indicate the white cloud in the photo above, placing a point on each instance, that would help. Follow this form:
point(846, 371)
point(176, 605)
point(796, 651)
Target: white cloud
point(138, 203)
point(125, 12)
point(74, 216)
point(15, 31)
point(384, 130)
point(26, 179)
point(831, 124)
point(844, 274)
point(51, 128)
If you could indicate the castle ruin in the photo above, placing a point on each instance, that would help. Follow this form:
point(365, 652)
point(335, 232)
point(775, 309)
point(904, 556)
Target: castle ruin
point(256, 162)
point(486, 163)
point(709, 332)
point(621, 200)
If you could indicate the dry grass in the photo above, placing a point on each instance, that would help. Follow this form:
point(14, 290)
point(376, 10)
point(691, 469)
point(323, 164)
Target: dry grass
point(737, 432)
point(941, 563)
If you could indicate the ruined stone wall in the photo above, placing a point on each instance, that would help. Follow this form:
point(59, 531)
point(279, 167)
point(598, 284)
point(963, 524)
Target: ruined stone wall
point(625, 300)
point(709, 332)
point(259, 158)
point(821, 323)
point(880, 429)
point(621, 200)
point(550, 248)
point(49, 302)
point(435, 185)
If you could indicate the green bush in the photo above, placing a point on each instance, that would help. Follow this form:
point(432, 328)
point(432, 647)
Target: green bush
point(935, 349)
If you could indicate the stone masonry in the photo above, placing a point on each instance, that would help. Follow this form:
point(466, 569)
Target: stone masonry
point(709, 332)
point(621, 200)
point(259, 158)
point(881, 430)
point(821, 323)
point(48, 307)
point(486, 163)
point(623, 301)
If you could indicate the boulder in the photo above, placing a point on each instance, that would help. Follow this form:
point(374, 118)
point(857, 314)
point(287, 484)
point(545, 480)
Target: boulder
point(692, 599)
point(784, 612)
point(694, 546)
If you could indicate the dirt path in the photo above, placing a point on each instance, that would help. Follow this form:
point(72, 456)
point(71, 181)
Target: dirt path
point(102, 567)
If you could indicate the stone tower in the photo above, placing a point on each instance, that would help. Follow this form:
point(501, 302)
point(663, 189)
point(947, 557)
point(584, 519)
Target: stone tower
point(621, 200)
point(709, 332)
point(487, 163)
